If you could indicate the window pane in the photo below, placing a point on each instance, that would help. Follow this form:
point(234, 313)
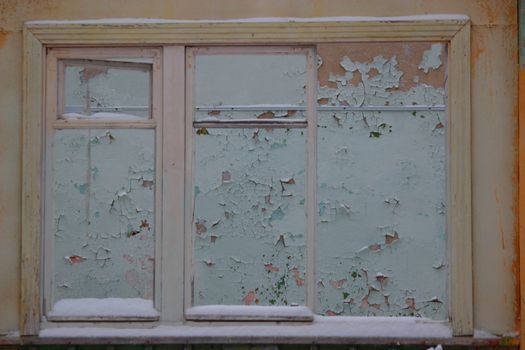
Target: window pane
point(104, 213)
point(381, 238)
point(111, 89)
point(250, 79)
point(249, 219)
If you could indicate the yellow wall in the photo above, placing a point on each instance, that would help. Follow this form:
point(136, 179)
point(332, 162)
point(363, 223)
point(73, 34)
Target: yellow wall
point(494, 100)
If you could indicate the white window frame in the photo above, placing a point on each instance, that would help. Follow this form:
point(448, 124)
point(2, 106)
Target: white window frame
point(54, 105)
point(455, 30)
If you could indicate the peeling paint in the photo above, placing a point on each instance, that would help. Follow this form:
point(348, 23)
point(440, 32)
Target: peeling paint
point(250, 183)
point(431, 58)
point(90, 88)
point(104, 213)
point(251, 195)
point(381, 183)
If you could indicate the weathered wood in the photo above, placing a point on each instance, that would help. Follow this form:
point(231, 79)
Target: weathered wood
point(245, 32)
point(173, 135)
point(311, 177)
point(459, 211)
point(31, 185)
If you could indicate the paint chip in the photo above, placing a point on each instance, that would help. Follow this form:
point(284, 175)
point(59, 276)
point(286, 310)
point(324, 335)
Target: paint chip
point(338, 283)
point(90, 72)
point(297, 276)
point(144, 224)
point(249, 298)
point(391, 237)
point(74, 259)
point(147, 184)
point(381, 278)
point(271, 268)
point(200, 227)
point(374, 247)
point(431, 58)
point(266, 115)
point(226, 176)
point(202, 131)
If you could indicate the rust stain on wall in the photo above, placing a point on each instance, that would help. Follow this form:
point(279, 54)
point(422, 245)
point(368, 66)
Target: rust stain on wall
point(3, 37)
point(505, 9)
point(518, 105)
point(408, 57)
point(515, 265)
point(477, 49)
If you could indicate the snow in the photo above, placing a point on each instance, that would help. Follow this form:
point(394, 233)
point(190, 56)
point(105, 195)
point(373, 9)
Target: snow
point(244, 312)
point(433, 17)
point(438, 347)
point(107, 307)
point(102, 115)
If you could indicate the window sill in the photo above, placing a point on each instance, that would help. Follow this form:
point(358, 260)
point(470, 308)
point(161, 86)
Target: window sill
point(323, 330)
point(108, 309)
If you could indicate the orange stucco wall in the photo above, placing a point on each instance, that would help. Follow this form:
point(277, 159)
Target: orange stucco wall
point(494, 107)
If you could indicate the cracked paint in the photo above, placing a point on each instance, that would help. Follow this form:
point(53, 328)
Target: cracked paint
point(249, 214)
point(104, 213)
point(381, 238)
point(258, 213)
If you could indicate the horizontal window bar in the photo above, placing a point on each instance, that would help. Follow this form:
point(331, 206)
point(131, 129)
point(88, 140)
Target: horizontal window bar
point(382, 108)
point(321, 108)
point(104, 124)
point(262, 107)
point(78, 108)
point(252, 123)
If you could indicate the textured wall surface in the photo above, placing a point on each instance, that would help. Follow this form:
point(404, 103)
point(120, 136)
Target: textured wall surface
point(494, 103)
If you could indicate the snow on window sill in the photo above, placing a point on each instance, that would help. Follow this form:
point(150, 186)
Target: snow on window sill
point(114, 309)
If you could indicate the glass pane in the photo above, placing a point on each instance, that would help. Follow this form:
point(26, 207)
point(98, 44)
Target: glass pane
point(381, 241)
point(104, 214)
point(250, 79)
point(111, 89)
point(249, 220)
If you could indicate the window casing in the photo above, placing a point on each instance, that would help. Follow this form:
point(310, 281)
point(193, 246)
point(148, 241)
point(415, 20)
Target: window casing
point(456, 175)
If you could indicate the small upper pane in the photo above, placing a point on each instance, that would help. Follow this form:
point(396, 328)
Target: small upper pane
point(223, 79)
point(111, 89)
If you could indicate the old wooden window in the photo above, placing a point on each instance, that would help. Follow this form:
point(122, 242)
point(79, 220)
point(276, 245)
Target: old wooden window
point(307, 173)
point(101, 211)
point(252, 125)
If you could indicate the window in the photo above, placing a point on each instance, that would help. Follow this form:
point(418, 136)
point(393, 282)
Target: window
point(102, 183)
point(252, 124)
point(253, 181)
